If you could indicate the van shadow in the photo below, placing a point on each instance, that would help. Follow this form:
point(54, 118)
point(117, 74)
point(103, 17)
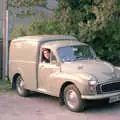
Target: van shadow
point(37, 95)
point(102, 105)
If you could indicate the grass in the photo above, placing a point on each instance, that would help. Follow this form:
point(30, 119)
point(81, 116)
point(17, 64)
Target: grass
point(5, 86)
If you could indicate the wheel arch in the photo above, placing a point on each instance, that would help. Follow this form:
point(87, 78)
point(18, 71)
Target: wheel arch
point(61, 94)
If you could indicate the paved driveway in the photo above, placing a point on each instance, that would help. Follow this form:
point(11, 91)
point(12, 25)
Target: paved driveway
point(43, 107)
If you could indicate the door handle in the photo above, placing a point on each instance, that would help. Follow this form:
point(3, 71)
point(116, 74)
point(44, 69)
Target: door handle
point(42, 66)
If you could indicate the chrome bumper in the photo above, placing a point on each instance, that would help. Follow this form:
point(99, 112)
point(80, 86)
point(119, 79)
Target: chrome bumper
point(97, 97)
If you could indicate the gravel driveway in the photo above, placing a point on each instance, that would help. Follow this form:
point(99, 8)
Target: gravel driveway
point(43, 107)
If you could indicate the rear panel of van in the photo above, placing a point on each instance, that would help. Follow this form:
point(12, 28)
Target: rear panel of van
point(22, 60)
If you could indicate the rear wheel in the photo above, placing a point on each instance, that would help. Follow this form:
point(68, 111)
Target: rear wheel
point(73, 99)
point(20, 87)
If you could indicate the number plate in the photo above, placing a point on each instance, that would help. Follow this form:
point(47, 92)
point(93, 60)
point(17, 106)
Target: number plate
point(114, 99)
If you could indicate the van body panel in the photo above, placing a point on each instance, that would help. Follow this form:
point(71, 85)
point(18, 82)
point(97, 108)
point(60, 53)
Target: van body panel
point(46, 79)
point(22, 60)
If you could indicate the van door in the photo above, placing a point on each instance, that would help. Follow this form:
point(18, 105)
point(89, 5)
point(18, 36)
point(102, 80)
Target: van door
point(46, 74)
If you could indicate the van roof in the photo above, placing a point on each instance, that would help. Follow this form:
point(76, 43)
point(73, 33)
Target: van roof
point(58, 44)
point(44, 38)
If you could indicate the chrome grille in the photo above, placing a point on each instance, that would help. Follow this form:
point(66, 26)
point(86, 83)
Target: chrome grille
point(108, 87)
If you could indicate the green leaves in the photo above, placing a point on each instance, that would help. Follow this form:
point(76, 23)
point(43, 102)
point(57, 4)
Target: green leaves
point(26, 3)
point(107, 44)
point(40, 27)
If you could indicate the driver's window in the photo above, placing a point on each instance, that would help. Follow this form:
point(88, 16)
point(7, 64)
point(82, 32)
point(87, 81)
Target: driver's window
point(45, 58)
point(48, 56)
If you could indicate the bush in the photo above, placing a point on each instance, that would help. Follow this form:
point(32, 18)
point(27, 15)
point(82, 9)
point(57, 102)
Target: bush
point(107, 42)
point(5, 86)
point(40, 27)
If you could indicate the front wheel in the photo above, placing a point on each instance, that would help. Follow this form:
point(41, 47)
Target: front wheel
point(20, 87)
point(73, 99)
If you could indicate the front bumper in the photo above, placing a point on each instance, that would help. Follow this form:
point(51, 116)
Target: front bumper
point(97, 97)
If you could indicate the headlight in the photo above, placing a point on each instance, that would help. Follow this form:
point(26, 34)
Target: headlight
point(92, 81)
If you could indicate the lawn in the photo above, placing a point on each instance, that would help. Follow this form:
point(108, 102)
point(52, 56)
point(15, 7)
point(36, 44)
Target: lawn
point(5, 86)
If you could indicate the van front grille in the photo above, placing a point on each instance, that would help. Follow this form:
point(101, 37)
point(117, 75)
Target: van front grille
point(108, 87)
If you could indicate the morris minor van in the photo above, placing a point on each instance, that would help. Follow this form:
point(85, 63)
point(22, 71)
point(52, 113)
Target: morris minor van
point(73, 72)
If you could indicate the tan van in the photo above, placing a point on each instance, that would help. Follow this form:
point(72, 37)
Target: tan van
point(61, 66)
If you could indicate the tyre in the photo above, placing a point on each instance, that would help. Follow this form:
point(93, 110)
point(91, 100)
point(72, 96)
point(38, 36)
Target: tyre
point(72, 99)
point(20, 87)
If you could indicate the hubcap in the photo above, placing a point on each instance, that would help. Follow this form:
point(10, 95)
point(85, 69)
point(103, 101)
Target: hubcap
point(20, 85)
point(72, 99)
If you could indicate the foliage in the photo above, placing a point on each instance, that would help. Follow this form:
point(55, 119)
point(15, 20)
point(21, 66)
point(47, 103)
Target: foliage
point(20, 31)
point(4, 86)
point(26, 3)
point(84, 17)
point(44, 27)
point(107, 42)
point(107, 39)
point(40, 27)
point(24, 7)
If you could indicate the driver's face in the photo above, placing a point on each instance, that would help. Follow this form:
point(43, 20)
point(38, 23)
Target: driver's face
point(46, 54)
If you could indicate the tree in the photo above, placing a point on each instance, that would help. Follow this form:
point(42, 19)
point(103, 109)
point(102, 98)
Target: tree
point(26, 3)
point(84, 17)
